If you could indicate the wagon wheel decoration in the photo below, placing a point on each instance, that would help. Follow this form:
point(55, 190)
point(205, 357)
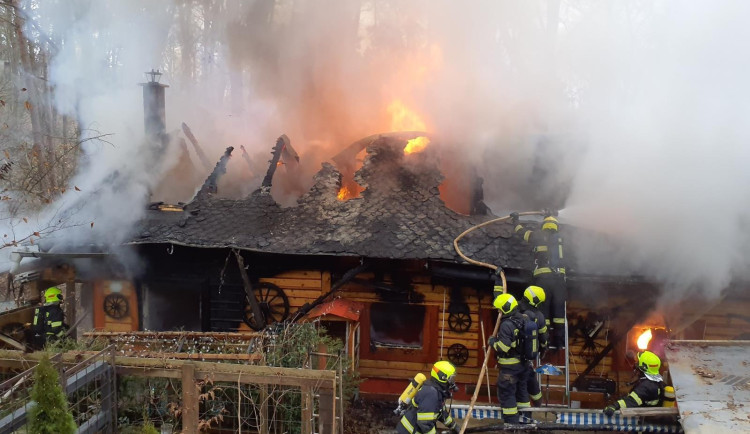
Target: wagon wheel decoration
point(458, 354)
point(15, 331)
point(116, 306)
point(459, 321)
point(273, 304)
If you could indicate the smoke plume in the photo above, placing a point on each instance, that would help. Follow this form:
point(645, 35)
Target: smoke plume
point(628, 114)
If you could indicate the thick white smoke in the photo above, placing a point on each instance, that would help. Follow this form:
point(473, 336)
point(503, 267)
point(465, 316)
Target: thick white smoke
point(641, 103)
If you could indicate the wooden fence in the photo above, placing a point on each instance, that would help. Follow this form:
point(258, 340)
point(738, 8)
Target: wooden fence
point(320, 389)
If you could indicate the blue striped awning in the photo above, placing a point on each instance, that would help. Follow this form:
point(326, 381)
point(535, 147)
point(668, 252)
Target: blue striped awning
point(476, 413)
point(615, 422)
point(608, 423)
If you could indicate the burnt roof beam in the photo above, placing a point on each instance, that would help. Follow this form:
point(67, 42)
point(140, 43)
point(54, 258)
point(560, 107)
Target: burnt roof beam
point(210, 186)
point(281, 143)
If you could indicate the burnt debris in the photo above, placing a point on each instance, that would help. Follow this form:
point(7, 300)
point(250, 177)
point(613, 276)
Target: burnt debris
point(196, 146)
point(210, 186)
point(281, 143)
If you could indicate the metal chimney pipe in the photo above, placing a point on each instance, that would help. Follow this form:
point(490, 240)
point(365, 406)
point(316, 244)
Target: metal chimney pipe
point(154, 106)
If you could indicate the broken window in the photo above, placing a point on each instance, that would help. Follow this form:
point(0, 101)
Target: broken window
point(396, 325)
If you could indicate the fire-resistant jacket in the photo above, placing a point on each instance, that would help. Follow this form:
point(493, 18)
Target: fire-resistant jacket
point(48, 320)
point(548, 249)
point(538, 317)
point(646, 393)
point(506, 342)
point(426, 409)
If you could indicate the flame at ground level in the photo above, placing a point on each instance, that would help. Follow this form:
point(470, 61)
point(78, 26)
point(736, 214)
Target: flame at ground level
point(644, 339)
point(415, 145)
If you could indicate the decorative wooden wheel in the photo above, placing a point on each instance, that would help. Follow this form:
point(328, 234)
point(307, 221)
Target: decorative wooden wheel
point(458, 354)
point(459, 322)
point(116, 306)
point(273, 304)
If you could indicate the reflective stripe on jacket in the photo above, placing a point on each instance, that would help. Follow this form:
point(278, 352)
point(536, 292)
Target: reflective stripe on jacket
point(507, 341)
point(427, 408)
point(646, 393)
point(538, 317)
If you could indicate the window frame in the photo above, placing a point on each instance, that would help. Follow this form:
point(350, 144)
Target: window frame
point(426, 354)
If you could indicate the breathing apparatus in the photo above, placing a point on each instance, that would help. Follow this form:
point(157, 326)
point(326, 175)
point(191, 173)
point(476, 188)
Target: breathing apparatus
point(405, 399)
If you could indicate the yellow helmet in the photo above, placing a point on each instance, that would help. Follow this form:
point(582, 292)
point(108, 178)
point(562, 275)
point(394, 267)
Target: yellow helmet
point(649, 363)
point(52, 295)
point(550, 223)
point(535, 295)
point(506, 303)
point(444, 372)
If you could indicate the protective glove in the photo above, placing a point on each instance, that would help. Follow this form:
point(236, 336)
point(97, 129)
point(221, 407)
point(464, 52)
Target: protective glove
point(609, 410)
point(492, 341)
point(514, 217)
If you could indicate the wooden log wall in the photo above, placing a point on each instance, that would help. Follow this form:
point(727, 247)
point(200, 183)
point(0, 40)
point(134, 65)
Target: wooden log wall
point(727, 320)
point(304, 286)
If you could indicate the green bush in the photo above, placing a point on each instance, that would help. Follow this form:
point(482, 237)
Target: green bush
point(50, 415)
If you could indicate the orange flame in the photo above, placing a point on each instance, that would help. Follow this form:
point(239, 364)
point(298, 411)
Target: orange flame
point(416, 145)
point(644, 339)
point(404, 119)
point(344, 193)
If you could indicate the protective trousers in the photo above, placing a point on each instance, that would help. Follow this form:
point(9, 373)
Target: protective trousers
point(535, 391)
point(512, 390)
point(553, 307)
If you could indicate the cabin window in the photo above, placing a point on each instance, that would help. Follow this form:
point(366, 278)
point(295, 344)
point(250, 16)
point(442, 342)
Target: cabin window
point(399, 332)
point(394, 325)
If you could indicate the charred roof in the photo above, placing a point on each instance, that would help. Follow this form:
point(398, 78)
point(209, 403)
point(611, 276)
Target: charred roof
point(399, 215)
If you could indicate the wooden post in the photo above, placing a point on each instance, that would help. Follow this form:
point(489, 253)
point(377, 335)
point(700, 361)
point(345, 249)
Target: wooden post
point(481, 374)
point(487, 372)
point(341, 395)
point(307, 410)
point(70, 304)
point(189, 400)
point(263, 417)
point(334, 427)
point(325, 412)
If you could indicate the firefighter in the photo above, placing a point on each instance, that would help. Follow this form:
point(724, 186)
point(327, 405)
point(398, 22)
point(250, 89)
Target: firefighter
point(511, 381)
point(533, 296)
point(648, 390)
point(549, 272)
point(49, 319)
point(428, 406)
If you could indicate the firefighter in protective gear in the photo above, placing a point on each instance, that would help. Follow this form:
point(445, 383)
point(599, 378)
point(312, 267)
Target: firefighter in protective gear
point(533, 296)
point(648, 391)
point(511, 382)
point(549, 272)
point(49, 319)
point(428, 406)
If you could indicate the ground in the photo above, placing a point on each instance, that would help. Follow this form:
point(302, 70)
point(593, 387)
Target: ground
point(370, 417)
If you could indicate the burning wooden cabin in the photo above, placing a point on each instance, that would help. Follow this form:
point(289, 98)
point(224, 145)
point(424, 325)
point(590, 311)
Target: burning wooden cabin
point(379, 271)
point(369, 253)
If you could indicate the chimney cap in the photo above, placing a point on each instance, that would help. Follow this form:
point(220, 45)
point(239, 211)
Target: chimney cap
point(155, 75)
point(153, 78)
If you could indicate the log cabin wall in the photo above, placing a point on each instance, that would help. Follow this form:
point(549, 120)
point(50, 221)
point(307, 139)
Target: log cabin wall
point(722, 318)
point(386, 370)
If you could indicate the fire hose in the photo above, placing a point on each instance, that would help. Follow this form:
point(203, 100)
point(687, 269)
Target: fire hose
point(494, 268)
